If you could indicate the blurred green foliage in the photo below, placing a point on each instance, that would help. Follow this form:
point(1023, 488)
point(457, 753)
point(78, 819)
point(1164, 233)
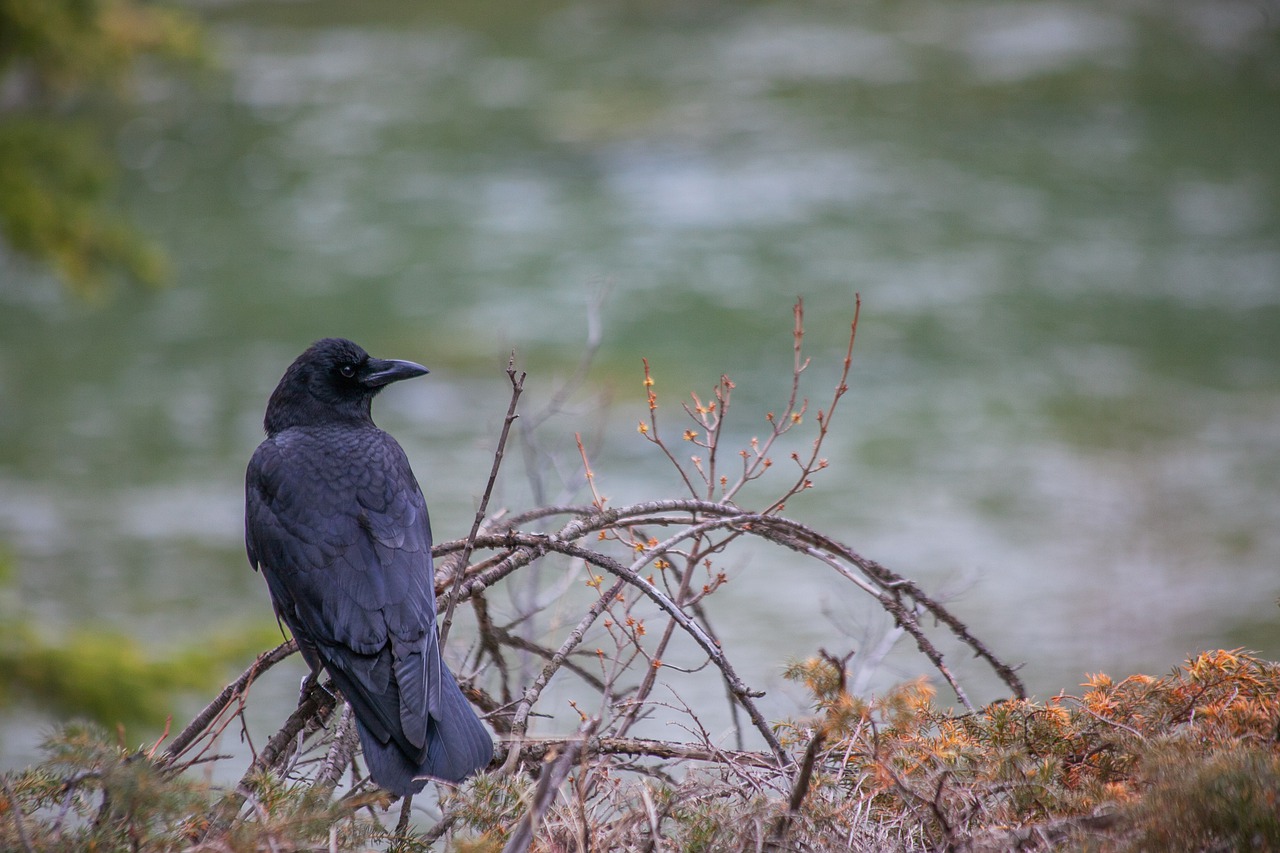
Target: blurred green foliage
point(105, 675)
point(61, 61)
point(112, 678)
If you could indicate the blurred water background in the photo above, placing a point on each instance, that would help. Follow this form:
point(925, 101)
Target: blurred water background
point(1063, 219)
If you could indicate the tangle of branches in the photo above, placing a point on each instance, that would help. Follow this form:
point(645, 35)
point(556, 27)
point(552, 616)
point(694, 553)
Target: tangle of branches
point(630, 592)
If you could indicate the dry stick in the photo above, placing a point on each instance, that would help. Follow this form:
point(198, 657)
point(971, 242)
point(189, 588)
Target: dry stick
point(804, 778)
point(202, 721)
point(339, 753)
point(406, 807)
point(1037, 835)
point(538, 513)
point(798, 791)
point(490, 645)
point(316, 702)
point(655, 822)
point(743, 693)
point(520, 719)
point(444, 583)
point(488, 706)
point(536, 748)
point(433, 835)
point(517, 386)
point(553, 774)
point(518, 558)
point(506, 638)
point(935, 806)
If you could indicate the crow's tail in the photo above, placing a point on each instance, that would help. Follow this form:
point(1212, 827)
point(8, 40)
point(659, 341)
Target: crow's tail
point(458, 743)
point(457, 746)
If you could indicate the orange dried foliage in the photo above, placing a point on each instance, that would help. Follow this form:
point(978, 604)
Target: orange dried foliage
point(1020, 762)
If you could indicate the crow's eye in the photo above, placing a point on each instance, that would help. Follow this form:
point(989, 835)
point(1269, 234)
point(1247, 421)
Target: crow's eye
point(347, 370)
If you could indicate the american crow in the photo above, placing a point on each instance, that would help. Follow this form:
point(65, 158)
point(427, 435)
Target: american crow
point(338, 525)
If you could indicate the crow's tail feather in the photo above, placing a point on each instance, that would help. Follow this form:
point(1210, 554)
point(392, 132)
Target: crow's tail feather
point(457, 745)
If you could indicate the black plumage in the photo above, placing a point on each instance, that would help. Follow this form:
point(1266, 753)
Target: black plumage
point(336, 521)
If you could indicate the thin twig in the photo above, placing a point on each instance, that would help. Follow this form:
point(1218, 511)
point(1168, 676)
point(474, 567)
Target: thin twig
point(653, 426)
point(315, 706)
point(517, 386)
point(814, 462)
point(202, 721)
point(804, 778)
point(520, 720)
point(402, 825)
point(554, 772)
point(755, 466)
point(340, 751)
point(534, 749)
point(432, 835)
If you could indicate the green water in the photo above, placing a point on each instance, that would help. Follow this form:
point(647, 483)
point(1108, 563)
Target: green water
point(1063, 219)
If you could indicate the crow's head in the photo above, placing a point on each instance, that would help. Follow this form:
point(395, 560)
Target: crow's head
point(334, 381)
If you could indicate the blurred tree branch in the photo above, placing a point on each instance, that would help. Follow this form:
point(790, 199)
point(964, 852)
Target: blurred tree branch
point(58, 60)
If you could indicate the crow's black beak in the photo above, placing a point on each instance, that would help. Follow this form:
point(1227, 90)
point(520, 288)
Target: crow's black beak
point(378, 371)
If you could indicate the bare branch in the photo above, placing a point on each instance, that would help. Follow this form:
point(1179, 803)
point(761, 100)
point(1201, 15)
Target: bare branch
point(317, 702)
point(534, 749)
point(340, 751)
point(235, 689)
point(798, 791)
point(814, 462)
point(520, 719)
point(517, 386)
point(553, 774)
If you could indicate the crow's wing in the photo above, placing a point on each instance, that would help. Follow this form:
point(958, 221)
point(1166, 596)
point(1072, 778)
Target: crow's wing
point(338, 525)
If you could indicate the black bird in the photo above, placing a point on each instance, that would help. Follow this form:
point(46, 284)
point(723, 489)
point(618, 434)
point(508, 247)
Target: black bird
point(336, 521)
